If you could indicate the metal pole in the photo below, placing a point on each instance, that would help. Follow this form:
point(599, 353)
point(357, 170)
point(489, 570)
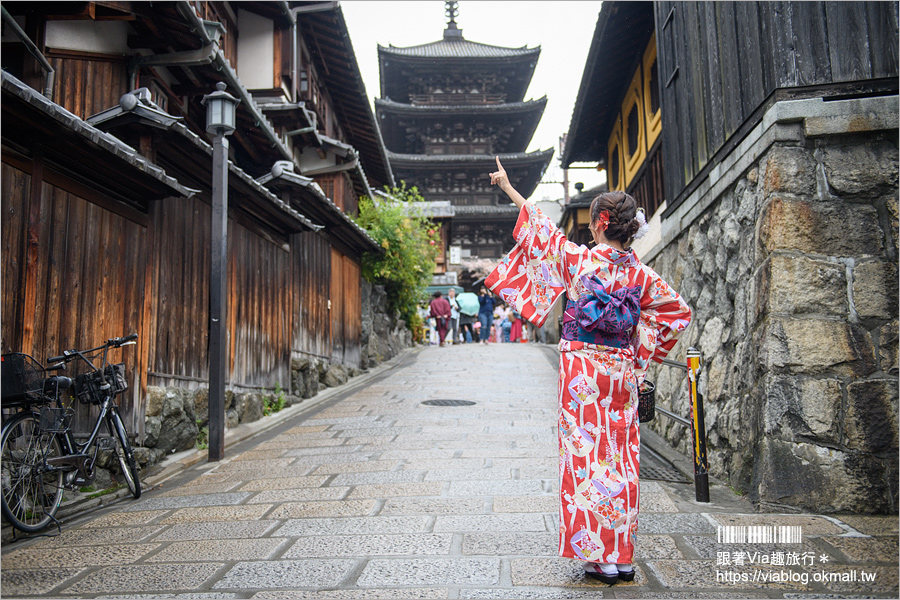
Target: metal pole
point(698, 429)
point(565, 181)
point(218, 310)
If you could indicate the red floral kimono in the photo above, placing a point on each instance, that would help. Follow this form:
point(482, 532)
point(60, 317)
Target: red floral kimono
point(620, 315)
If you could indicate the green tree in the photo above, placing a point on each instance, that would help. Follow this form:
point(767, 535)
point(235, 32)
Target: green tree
point(410, 244)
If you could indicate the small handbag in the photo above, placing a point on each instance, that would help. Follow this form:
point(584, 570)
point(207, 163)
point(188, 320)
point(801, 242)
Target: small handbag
point(647, 402)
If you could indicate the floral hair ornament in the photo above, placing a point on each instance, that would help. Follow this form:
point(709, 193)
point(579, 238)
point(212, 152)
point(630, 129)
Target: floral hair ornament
point(642, 221)
point(603, 221)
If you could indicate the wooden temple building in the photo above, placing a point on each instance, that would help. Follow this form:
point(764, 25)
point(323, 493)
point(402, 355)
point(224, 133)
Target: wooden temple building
point(106, 186)
point(446, 109)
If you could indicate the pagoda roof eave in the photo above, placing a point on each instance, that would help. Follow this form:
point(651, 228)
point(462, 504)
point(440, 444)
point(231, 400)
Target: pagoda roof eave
point(459, 49)
point(525, 169)
point(427, 160)
point(519, 119)
point(526, 106)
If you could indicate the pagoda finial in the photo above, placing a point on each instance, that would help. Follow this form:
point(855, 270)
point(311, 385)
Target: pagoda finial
point(451, 11)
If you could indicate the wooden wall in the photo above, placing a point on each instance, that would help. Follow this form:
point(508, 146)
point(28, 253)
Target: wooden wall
point(82, 283)
point(84, 274)
point(346, 326)
point(311, 256)
point(259, 315)
point(337, 186)
point(179, 275)
point(719, 62)
point(88, 83)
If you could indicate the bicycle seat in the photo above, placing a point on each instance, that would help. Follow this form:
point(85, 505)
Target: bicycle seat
point(57, 382)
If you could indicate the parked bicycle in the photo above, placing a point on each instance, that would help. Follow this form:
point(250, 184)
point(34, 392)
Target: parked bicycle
point(40, 455)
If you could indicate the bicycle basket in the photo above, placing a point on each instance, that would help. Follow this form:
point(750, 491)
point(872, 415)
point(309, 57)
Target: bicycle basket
point(55, 420)
point(87, 386)
point(23, 379)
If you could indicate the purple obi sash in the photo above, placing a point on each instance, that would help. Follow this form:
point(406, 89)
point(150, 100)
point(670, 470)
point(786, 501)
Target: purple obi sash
point(602, 318)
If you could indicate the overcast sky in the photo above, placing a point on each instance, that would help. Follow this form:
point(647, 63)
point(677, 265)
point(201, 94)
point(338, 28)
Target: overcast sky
point(562, 29)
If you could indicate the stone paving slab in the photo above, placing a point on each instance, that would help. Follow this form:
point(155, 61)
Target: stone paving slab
point(394, 490)
point(246, 512)
point(356, 594)
point(94, 536)
point(34, 582)
point(529, 504)
point(495, 522)
point(339, 508)
point(283, 483)
point(90, 556)
point(437, 572)
point(367, 525)
point(510, 544)
point(433, 506)
point(498, 486)
point(220, 550)
point(144, 578)
point(219, 530)
point(299, 495)
point(373, 495)
point(286, 574)
point(192, 501)
point(417, 544)
point(196, 490)
point(121, 519)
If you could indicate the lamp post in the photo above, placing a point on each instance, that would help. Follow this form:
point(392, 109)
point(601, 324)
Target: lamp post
point(220, 121)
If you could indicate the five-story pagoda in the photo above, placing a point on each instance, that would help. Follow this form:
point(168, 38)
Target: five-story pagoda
point(446, 109)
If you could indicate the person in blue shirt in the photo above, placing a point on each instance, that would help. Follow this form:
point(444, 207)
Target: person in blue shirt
point(485, 314)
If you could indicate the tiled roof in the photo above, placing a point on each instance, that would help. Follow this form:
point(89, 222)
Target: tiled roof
point(458, 49)
point(505, 107)
point(490, 209)
point(92, 135)
point(519, 157)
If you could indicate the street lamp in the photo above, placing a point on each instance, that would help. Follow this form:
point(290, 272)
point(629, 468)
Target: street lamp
point(220, 111)
point(220, 121)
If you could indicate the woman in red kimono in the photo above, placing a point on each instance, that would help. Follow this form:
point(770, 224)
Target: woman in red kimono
point(620, 314)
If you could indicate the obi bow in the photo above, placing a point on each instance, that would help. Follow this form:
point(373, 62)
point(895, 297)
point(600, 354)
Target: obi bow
point(612, 313)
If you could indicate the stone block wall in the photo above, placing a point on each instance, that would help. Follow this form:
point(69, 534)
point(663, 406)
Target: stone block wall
point(788, 258)
point(384, 334)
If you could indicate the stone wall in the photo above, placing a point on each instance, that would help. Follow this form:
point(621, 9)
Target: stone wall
point(384, 334)
point(788, 258)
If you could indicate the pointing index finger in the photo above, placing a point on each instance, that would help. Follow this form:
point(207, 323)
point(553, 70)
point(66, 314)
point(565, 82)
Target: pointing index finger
point(499, 166)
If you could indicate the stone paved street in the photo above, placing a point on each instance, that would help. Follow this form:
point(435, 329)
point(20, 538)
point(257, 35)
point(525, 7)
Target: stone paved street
point(372, 494)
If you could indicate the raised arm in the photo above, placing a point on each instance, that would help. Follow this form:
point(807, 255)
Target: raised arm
point(500, 178)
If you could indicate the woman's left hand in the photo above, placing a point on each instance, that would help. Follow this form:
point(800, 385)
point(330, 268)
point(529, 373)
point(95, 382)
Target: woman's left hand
point(499, 177)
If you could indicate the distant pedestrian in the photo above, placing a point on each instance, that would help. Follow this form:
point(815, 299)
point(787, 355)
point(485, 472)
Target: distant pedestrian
point(620, 314)
point(515, 327)
point(485, 314)
point(453, 330)
point(468, 316)
point(440, 311)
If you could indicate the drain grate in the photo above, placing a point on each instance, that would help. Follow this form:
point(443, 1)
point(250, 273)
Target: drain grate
point(448, 402)
point(656, 468)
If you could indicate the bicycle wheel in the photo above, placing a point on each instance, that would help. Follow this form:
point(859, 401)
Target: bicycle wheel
point(31, 494)
point(124, 453)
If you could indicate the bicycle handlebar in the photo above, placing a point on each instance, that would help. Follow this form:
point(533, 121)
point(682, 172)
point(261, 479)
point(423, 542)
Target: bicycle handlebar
point(69, 355)
point(120, 341)
point(61, 359)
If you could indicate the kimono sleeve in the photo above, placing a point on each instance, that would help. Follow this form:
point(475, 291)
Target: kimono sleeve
point(664, 315)
point(535, 273)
